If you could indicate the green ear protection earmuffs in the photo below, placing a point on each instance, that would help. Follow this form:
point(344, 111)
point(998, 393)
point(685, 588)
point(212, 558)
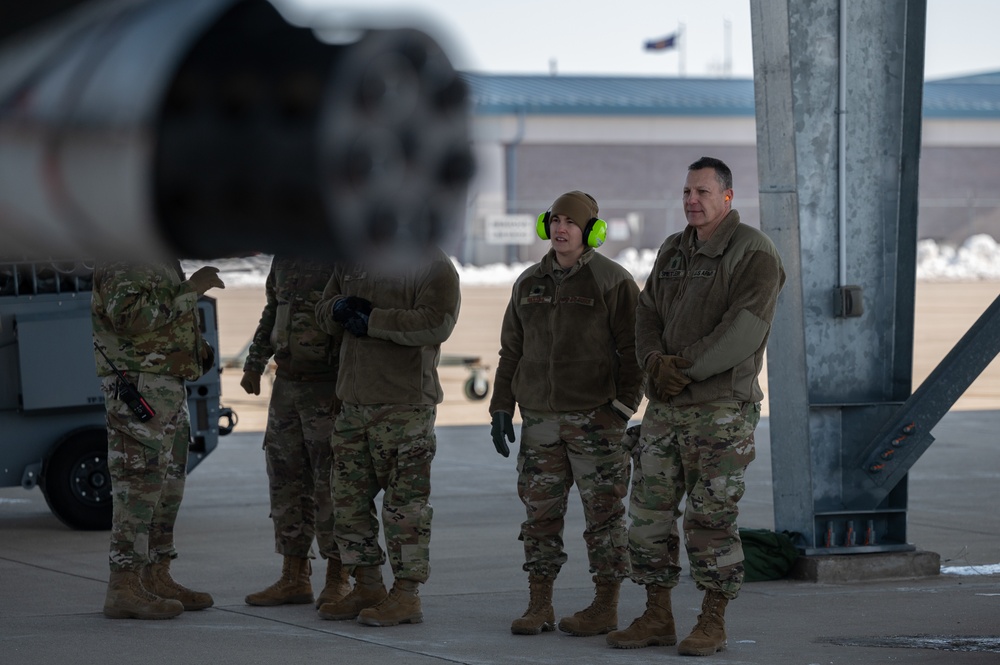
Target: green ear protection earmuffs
point(594, 233)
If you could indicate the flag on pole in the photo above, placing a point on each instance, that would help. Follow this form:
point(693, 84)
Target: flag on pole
point(663, 44)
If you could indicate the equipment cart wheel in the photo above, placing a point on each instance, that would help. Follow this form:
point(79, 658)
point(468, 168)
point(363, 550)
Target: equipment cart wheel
point(76, 482)
point(477, 387)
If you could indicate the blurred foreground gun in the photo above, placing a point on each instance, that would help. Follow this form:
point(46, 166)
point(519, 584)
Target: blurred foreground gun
point(209, 128)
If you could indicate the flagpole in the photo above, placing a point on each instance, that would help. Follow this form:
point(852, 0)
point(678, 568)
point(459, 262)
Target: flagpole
point(727, 58)
point(681, 50)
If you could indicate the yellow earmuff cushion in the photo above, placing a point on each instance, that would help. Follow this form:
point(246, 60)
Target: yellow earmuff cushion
point(542, 225)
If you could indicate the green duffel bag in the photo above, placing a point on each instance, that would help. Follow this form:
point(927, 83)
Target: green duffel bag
point(767, 555)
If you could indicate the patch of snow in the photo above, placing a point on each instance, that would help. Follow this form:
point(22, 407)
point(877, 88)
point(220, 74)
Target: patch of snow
point(978, 258)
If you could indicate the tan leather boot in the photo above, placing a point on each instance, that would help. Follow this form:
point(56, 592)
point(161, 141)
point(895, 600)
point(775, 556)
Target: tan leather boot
point(127, 599)
point(293, 587)
point(654, 628)
point(338, 583)
point(368, 591)
point(602, 614)
point(402, 605)
point(709, 634)
point(156, 579)
point(539, 616)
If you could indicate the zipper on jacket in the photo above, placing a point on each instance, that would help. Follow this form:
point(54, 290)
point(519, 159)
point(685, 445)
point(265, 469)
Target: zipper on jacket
point(687, 274)
point(552, 321)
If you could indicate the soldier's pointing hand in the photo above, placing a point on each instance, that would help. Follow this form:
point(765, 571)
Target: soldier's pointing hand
point(204, 279)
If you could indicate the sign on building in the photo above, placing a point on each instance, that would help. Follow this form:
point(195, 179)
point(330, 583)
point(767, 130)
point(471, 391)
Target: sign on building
point(618, 230)
point(510, 230)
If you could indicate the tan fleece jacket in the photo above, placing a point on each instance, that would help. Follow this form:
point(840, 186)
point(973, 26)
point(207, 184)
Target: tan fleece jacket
point(414, 310)
point(713, 306)
point(569, 344)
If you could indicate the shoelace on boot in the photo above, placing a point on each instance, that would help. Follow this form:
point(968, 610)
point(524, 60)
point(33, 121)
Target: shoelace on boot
point(645, 617)
point(140, 591)
point(536, 606)
point(394, 596)
point(701, 627)
point(164, 580)
point(595, 609)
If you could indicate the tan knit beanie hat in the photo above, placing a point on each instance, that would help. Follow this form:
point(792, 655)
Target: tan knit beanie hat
point(578, 206)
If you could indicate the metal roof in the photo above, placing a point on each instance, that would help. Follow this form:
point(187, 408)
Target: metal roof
point(976, 96)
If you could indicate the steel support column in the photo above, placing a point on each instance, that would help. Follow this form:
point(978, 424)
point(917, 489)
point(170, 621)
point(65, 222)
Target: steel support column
point(838, 93)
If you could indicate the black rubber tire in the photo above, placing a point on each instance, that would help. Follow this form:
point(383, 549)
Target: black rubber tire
point(76, 481)
point(472, 393)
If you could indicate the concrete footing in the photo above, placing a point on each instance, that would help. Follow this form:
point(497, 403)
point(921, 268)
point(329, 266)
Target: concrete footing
point(845, 568)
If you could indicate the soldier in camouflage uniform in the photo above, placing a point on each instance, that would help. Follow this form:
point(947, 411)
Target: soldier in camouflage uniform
point(702, 325)
point(567, 359)
point(145, 319)
point(383, 440)
point(299, 423)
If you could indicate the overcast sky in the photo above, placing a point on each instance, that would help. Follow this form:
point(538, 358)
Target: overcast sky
point(607, 37)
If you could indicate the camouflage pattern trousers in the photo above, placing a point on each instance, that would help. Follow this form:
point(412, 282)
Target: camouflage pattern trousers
point(387, 448)
point(703, 451)
point(558, 449)
point(148, 466)
point(299, 463)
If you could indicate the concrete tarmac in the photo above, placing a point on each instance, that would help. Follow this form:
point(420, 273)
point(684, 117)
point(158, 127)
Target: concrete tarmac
point(53, 579)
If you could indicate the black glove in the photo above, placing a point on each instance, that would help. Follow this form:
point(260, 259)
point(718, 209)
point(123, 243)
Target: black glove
point(503, 425)
point(359, 305)
point(342, 311)
point(207, 358)
point(631, 437)
point(352, 312)
point(357, 324)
